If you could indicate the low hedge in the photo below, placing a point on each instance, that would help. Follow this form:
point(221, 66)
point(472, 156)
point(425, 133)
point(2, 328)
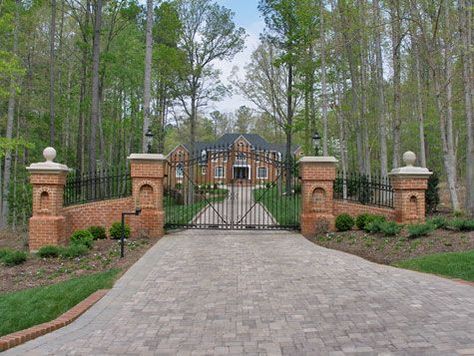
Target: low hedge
point(49, 251)
point(344, 222)
point(14, 258)
point(115, 231)
point(98, 232)
point(82, 237)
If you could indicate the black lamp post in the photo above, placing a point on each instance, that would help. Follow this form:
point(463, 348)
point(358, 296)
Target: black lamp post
point(122, 238)
point(149, 140)
point(316, 143)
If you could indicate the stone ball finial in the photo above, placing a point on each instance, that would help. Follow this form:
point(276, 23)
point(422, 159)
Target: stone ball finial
point(49, 153)
point(409, 158)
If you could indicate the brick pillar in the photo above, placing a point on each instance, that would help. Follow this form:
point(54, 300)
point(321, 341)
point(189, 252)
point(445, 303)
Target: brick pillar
point(47, 224)
point(317, 204)
point(409, 184)
point(147, 172)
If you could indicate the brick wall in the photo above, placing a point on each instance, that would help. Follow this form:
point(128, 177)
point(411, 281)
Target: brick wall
point(355, 209)
point(101, 213)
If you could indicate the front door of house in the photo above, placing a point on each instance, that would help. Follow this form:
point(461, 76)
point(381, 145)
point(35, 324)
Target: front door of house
point(241, 173)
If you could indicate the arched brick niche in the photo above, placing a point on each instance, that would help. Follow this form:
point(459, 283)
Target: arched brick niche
point(45, 202)
point(413, 207)
point(319, 199)
point(146, 196)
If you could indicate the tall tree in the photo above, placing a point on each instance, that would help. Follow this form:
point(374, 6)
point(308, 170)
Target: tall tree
point(95, 105)
point(52, 59)
point(208, 34)
point(147, 82)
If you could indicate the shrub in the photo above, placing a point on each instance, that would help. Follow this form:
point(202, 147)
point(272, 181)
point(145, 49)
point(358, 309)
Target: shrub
point(390, 228)
point(438, 222)
point(14, 258)
point(372, 223)
point(115, 231)
point(74, 250)
point(361, 221)
point(98, 232)
point(418, 230)
point(344, 222)
point(461, 224)
point(4, 252)
point(82, 237)
point(49, 251)
point(432, 194)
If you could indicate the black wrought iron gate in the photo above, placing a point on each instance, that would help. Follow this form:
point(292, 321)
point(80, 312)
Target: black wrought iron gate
point(234, 187)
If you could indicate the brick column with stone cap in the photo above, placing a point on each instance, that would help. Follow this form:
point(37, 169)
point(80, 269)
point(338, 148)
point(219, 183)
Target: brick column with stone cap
point(317, 203)
point(47, 224)
point(147, 173)
point(409, 184)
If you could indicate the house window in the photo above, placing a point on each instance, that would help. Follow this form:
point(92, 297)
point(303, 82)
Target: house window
point(179, 171)
point(219, 172)
point(241, 156)
point(204, 171)
point(215, 157)
point(262, 173)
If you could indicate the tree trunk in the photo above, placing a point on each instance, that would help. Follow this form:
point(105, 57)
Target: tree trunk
point(381, 93)
point(396, 44)
point(9, 130)
point(419, 107)
point(465, 24)
point(289, 129)
point(52, 39)
point(95, 104)
point(324, 104)
point(147, 82)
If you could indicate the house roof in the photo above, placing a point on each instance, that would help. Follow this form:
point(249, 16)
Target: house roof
point(257, 142)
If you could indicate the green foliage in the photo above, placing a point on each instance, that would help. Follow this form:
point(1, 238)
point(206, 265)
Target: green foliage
point(49, 251)
point(432, 194)
point(439, 222)
point(74, 250)
point(344, 222)
point(4, 252)
point(418, 230)
point(82, 237)
point(372, 223)
point(13, 258)
point(43, 304)
point(361, 220)
point(390, 228)
point(461, 224)
point(98, 232)
point(115, 231)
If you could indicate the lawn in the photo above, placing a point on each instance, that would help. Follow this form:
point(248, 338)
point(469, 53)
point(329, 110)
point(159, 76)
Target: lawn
point(453, 264)
point(29, 307)
point(182, 214)
point(285, 209)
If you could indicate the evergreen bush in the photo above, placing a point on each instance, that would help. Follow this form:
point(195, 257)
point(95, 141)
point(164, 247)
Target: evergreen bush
point(82, 237)
point(115, 231)
point(98, 232)
point(344, 222)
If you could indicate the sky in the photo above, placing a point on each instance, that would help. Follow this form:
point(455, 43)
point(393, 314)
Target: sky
point(248, 17)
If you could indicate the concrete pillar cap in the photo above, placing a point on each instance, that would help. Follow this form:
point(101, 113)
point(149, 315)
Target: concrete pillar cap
point(49, 154)
point(318, 159)
point(409, 158)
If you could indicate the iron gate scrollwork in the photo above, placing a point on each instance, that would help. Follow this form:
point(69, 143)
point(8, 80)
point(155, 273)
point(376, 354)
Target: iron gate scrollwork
point(231, 187)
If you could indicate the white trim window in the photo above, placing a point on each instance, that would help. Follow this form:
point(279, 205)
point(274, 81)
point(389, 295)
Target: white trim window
point(262, 173)
point(179, 171)
point(203, 171)
point(219, 172)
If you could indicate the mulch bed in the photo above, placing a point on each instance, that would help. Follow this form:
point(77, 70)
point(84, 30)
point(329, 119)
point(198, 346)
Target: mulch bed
point(36, 271)
point(387, 250)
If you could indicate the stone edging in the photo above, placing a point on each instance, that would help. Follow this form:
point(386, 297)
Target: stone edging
point(20, 337)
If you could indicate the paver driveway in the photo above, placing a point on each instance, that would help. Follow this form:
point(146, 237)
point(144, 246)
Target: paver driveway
point(203, 292)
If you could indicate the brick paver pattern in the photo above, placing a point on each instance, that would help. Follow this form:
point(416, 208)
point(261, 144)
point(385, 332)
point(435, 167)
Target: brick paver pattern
point(204, 292)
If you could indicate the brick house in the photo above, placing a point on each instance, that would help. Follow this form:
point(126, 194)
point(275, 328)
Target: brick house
point(233, 158)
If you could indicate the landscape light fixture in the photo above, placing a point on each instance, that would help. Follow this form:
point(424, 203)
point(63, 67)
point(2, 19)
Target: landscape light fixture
point(122, 237)
point(316, 143)
point(149, 139)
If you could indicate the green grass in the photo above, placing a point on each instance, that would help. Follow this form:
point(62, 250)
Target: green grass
point(285, 209)
point(453, 264)
point(26, 308)
point(182, 214)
